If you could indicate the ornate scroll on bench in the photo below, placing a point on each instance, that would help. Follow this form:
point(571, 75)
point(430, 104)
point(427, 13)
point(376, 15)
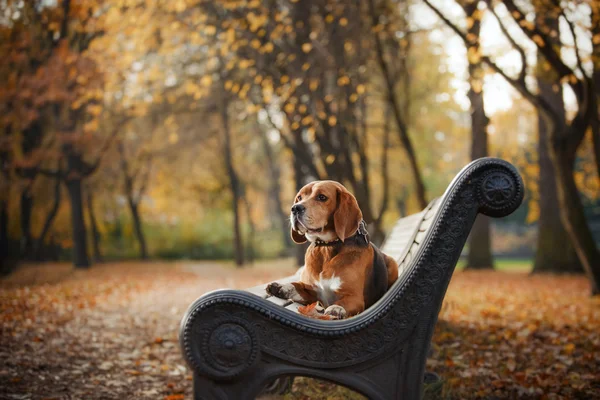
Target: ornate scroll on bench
point(238, 341)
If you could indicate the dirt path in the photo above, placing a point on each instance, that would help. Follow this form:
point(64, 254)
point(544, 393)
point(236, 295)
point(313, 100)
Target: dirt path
point(115, 340)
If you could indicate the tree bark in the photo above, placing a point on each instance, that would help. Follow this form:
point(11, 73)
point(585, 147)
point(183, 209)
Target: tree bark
point(94, 227)
point(554, 251)
point(397, 112)
point(6, 263)
point(275, 192)
point(26, 206)
point(234, 182)
point(251, 231)
point(595, 7)
point(39, 246)
point(137, 226)
point(133, 200)
point(299, 177)
point(79, 232)
point(573, 216)
point(480, 248)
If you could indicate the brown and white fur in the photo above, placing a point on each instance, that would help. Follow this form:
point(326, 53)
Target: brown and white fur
point(345, 275)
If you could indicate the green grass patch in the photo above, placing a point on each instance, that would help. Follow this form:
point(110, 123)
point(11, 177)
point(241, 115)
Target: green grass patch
point(505, 264)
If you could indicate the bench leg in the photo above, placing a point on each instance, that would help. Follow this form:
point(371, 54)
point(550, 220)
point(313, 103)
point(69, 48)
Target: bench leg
point(205, 389)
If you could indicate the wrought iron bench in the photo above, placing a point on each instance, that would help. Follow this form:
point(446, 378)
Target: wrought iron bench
point(237, 342)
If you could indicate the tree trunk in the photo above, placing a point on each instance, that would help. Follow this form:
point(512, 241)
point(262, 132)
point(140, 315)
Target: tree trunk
point(49, 219)
point(7, 262)
point(596, 78)
point(5, 259)
point(397, 112)
point(275, 192)
point(26, 209)
point(79, 232)
point(251, 231)
point(94, 226)
point(401, 202)
point(554, 251)
point(573, 216)
point(234, 183)
point(480, 253)
point(299, 177)
point(137, 227)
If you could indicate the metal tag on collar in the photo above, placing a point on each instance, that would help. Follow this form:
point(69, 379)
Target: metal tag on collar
point(362, 231)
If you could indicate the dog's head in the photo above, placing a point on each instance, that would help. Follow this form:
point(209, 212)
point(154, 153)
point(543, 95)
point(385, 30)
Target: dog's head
point(324, 210)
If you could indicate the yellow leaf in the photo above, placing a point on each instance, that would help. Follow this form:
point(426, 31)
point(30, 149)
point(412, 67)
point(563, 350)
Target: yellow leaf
point(206, 80)
point(568, 348)
point(306, 47)
point(538, 40)
point(473, 55)
point(343, 80)
point(343, 21)
point(332, 120)
point(268, 47)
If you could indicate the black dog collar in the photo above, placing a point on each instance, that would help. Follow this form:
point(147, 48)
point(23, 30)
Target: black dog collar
point(360, 238)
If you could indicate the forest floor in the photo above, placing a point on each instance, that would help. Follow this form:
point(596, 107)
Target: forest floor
point(111, 333)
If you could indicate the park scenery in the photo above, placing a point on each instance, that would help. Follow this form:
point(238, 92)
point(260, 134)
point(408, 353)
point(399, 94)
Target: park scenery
point(150, 151)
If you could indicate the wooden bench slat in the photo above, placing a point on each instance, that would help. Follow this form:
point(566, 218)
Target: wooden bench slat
point(278, 301)
point(293, 307)
point(426, 224)
point(432, 210)
point(420, 236)
point(258, 291)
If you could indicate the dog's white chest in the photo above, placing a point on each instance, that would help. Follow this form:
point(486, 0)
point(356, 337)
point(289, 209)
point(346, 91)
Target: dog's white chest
point(326, 288)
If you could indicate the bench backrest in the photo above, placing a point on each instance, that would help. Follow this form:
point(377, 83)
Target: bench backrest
point(407, 235)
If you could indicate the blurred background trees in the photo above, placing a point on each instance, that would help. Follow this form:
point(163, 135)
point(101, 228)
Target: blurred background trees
point(183, 129)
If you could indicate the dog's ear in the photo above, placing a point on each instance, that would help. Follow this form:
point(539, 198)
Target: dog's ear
point(347, 216)
point(297, 238)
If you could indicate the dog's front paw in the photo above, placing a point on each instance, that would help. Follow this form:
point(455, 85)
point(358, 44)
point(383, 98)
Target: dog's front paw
point(275, 289)
point(336, 312)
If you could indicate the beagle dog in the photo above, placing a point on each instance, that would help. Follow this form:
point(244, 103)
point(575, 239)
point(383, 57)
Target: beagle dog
point(343, 270)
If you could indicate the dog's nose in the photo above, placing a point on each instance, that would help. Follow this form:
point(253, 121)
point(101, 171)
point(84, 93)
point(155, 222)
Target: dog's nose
point(298, 209)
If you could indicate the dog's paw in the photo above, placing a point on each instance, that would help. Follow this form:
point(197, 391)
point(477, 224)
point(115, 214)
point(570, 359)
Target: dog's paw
point(275, 289)
point(336, 312)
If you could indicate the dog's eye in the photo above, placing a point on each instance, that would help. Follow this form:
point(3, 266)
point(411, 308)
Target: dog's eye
point(322, 197)
point(299, 198)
